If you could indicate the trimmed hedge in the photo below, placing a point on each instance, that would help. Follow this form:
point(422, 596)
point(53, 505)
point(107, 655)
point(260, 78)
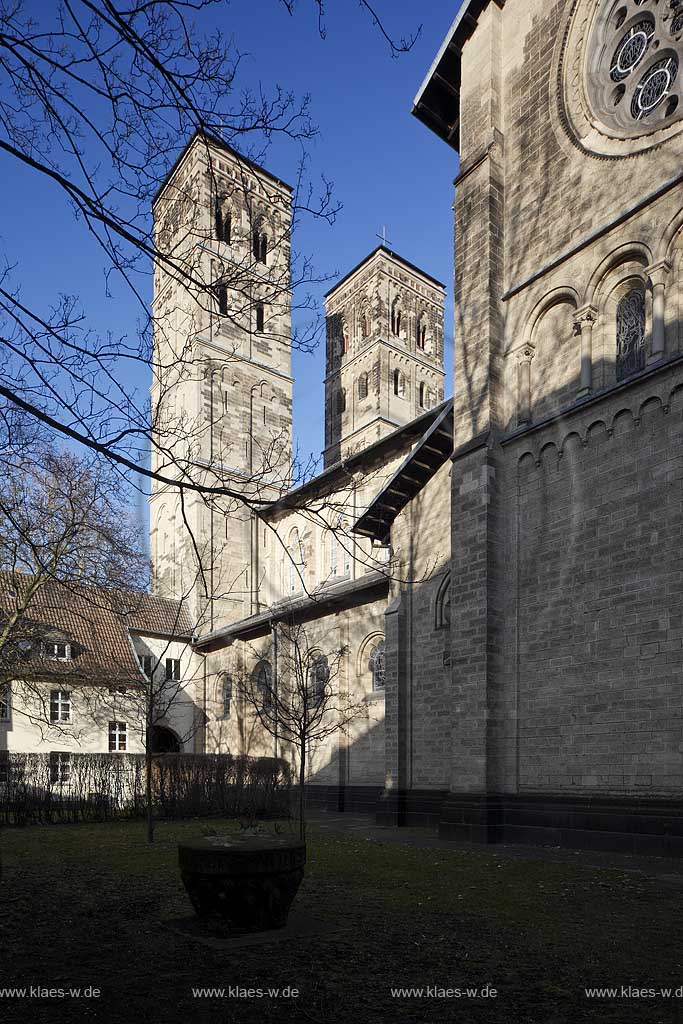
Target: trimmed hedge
point(103, 787)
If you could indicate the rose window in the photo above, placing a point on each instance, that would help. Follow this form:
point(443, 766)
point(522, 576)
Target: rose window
point(631, 50)
point(654, 87)
point(634, 56)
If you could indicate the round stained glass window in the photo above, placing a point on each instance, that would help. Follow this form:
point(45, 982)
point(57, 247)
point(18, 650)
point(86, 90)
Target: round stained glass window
point(631, 50)
point(654, 87)
point(633, 66)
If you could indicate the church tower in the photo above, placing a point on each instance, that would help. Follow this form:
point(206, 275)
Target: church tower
point(384, 351)
point(222, 386)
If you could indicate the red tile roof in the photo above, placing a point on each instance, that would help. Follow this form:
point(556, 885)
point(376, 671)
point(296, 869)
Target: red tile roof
point(96, 622)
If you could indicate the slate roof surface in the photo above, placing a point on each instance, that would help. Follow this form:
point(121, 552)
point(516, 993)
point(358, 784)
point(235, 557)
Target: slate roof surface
point(437, 103)
point(96, 622)
point(418, 467)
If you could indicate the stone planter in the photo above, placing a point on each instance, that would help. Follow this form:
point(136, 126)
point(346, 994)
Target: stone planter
point(242, 884)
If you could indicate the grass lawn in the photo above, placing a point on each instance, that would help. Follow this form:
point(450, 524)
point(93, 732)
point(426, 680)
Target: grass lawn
point(86, 905)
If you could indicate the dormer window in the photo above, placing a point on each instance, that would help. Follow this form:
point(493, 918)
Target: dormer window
point(57, 650)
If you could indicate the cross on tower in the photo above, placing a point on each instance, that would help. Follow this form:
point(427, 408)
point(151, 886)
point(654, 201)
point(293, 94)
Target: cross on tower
point(383, 238)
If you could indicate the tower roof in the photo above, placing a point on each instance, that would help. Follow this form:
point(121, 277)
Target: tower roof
point(393, 255)
point(214, 140)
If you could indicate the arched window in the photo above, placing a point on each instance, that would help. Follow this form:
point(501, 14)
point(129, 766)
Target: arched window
point(341, 401)
point(332, 553)
point(422, 395)
point(422, 333)
point(222, 297)
point(363, 386)
point(396, 317)
point(342, 340)
point(318, 678)
point(364, 324)
point(226, 693)
point(377, 666)
point(259, 242)
point(223, 223)
point(262, 678)
point(399, 383)
point(630, 333)
point(443, 604)
point(260, 318)
point(382, 554)
point(294, 563)
point(347, 553)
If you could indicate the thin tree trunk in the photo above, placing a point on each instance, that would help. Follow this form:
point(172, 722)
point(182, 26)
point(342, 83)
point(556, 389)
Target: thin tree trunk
point(302, 793)
point(148, 780)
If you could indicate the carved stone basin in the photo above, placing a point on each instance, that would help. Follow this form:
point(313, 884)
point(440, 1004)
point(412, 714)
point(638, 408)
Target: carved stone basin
point(240, 884)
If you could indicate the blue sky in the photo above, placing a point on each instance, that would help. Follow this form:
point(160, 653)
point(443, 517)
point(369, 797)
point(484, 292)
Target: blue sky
point(386, 167)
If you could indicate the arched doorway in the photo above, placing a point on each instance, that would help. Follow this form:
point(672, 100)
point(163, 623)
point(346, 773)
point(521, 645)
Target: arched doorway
point(164, 741)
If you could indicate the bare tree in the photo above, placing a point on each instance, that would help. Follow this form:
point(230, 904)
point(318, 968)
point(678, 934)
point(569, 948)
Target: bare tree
point(164, 696)
point(68, 548)
point(97, 99)
point(94, 98)
point(63, 520)
point(303, 702)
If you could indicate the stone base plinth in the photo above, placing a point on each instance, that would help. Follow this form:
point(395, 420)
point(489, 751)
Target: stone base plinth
point(239, 885)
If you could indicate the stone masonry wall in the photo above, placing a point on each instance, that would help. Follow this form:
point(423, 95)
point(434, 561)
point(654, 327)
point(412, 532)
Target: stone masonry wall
point(594, 630)
point(419, 697)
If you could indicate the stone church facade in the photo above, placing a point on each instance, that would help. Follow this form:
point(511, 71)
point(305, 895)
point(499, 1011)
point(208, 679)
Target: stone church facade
point(533, 654)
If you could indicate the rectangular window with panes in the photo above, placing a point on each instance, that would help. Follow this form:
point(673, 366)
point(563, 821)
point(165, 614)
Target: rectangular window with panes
point(60, 705)
point(118, 737)
point(59, 650)
point(146, 663)
point(4, 703)
point(60, 767)
point(173, 668)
